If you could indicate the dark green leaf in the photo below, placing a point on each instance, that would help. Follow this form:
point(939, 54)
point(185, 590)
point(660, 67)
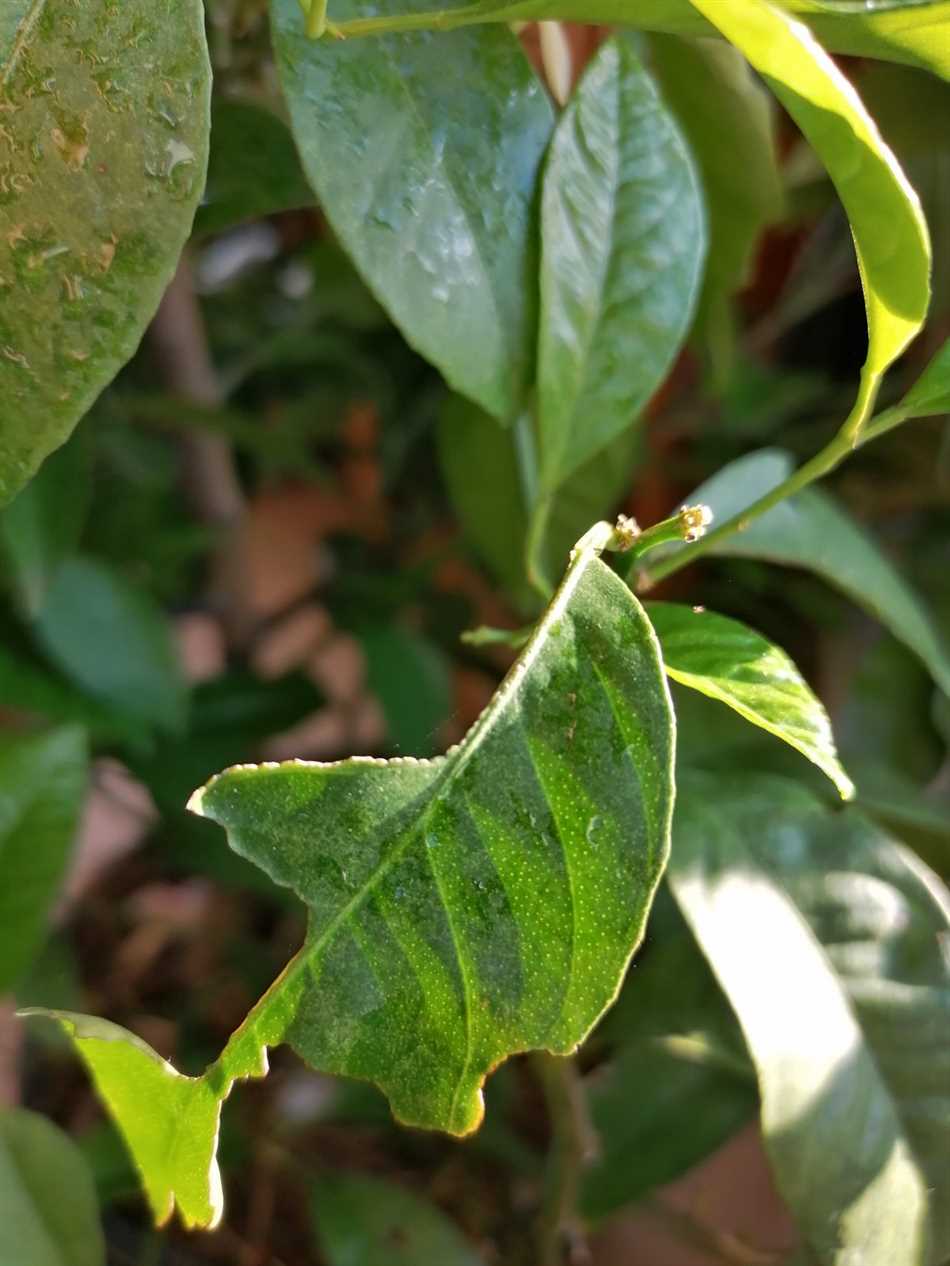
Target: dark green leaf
point(48, 1210)
point(42, 785)
point(730, 662)
point(678, 1083)
point(930, 394)
point(253, 170)
point(463, 908)
point(370, 1222)
point(36, 691)
point(810, 530)
point(712, 92)
point(623, 244)
point(410, 677)
point(424, 151)
point(827, 938)
point(102, 171)
point(112, 640)
point(43, 524)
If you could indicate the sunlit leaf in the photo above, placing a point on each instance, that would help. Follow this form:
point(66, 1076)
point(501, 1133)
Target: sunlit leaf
point(730, 662)
point(810, 530)
point(462, 908)
point(827, 938)
point(100, 174)
point(890, 233)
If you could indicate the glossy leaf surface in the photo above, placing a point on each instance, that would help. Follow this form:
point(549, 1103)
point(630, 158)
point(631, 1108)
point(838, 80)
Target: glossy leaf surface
point(728, 661)
point(462, 908)
point(101, 174)
point(890, 233)
point(48, 1210)
point(810, 530)
point(359, 1219)
point(623, 245)
point(42, 785)
point(424, 151)
point(114, 642)
point(826, 937)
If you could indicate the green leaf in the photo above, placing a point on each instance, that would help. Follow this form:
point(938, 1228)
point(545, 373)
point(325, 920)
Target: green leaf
point(623, 244)
point(39, 693)
point(253, 171)
point(826, 937)
point(112, 641)
point(366, 1220)
point(103, 170)
point(463, 908)
point(728, 661)
point(169, 1122)
point(48, 1210)
point(492, 506)
point(930, 394)
point(890, 234)
point(710, 89)
point(411, 678)
point(41, 527)
point(810, 530)
point(424, 151)
point(42, 785)
point(678, 1083)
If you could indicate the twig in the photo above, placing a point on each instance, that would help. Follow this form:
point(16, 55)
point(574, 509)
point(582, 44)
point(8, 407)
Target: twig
point(574, 1145)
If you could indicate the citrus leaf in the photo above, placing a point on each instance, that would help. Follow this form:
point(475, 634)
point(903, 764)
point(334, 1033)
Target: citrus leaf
point(916, 32)
point(712, 92)
point(101, 174)
point(461, 909)
point(622, 248)
point(375, 1223)
point(890, 233)
point(811, 530)
point(827, 938)
point(726, 660)
point(424, 152)
point(930, 394)
point(114, 642)
point(48, 1210)
point(42, 785)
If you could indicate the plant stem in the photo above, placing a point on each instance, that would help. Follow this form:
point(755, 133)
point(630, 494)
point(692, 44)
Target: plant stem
point(852, 434)
point(573, 1147)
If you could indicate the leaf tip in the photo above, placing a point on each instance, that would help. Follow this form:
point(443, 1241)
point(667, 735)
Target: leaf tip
point(196, 802)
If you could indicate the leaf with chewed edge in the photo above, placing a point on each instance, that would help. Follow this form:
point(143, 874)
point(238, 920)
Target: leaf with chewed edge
point(462, 909)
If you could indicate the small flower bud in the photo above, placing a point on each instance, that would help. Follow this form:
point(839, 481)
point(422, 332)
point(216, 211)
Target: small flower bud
point(626, 531)
point(694, 520)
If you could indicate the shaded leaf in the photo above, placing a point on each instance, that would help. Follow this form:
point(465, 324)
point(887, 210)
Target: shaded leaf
point(114, 642)
point(623, 243)
point(410, 677)
point(429, 178)
point(41, 527)
point(930, 394)
point(810, 530)
point(730, 662)
point(42, 786)
point(101, 174)
point(253, 170)
point(461, 909)
point(826, 937)
point(713, 94)
point(890, 233)
point(48, 1210)
point(359, 1219)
